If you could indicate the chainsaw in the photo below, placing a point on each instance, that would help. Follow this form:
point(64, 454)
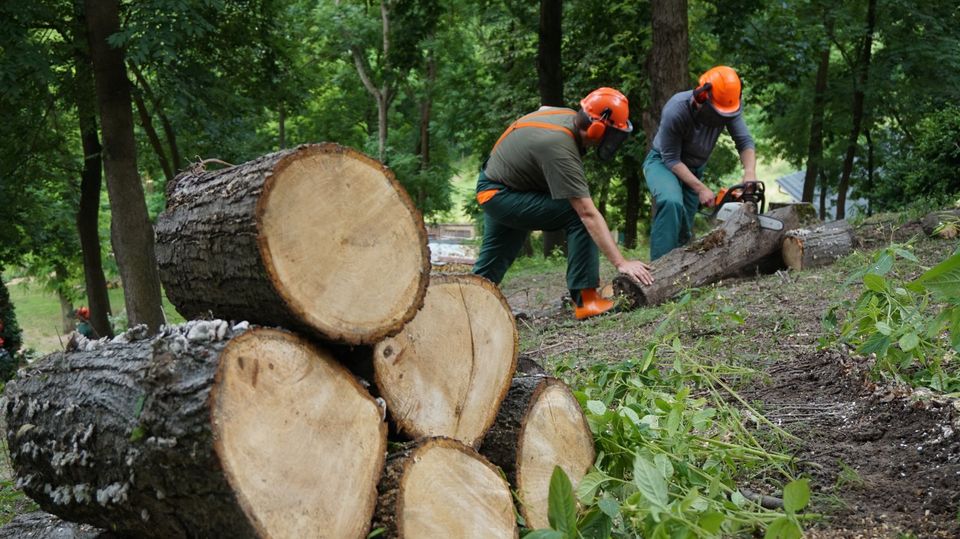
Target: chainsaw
point(729, 200)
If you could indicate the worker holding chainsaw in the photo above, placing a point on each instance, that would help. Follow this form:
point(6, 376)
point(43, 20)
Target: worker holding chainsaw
point(534, 180)
point(690, 125)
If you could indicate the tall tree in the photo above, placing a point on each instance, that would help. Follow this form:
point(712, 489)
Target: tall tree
point(550, 83)
point(859, 92)
point(815, 147)
point(130, 229)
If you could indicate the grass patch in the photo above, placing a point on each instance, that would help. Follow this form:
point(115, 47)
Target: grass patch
point(38, 314)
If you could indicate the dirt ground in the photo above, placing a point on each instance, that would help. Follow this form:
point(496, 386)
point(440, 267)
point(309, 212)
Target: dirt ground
point(883, 461)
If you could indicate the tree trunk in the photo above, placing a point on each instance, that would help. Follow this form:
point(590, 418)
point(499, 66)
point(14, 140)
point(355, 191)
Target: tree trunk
point(40, 525)
point(823, 195)
point(442, 488)
point(540, 426)
point(667, 61)
point(319, 237)
point(806, 248)
point(130, 227)
point(164, 121)
point(815, 147)
point(201, 431)
point(447, 371)
point(735, 243)
point(859, 94)
point(147, 124)
point(549, 65)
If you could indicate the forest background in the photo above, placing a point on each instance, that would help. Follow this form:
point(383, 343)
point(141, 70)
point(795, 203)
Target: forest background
point(861, 95)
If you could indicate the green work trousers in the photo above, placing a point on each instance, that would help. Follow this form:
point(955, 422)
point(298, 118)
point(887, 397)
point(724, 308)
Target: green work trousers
point(676, 206)
point(510, 215)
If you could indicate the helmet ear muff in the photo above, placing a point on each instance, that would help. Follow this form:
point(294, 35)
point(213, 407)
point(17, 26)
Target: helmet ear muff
point(702, 93)
point(595, 127)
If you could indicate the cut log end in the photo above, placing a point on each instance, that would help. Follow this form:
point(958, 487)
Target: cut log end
point(447, 371)
point(555, 434)
point(301, 442)
point(447, 490)
point(335, 229)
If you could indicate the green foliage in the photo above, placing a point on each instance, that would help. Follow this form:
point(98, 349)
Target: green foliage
point(671, 447)
point(10, 332)
point(912, 328)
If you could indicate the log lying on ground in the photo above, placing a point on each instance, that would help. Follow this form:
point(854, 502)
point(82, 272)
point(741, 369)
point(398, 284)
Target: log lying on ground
point(319, 238)
point(540, 426)
point(443, 488)
point(200, 431)
point(737, 242)
point(40, 525)
point(805, 248)
point(447, 371)
point(944, 223)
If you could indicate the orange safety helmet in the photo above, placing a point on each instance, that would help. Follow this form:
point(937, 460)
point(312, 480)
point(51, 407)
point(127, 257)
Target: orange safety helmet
point(83, 313)
point(602, 108)
point(722, 86)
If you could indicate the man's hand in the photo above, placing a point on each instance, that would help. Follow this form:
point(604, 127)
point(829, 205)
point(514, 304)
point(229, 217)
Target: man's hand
point(636, 270)
point(706, 196)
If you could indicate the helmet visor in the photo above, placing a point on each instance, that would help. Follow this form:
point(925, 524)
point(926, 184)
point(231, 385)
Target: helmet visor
point(612, 139)
point(709, 116)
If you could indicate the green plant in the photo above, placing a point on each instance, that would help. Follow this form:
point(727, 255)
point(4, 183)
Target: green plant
point(673, 441)
point(911, 328)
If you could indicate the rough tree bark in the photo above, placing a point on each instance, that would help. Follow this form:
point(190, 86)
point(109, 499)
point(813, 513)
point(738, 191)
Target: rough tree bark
point(540, 426)
point(806, 248)
point(130, 228)
point(859, 95)
point(200, 431)
point(735, 243)
point(88, 211)
point(443, 488)
point(319, 237)
point(447, 371)
point(40, 525)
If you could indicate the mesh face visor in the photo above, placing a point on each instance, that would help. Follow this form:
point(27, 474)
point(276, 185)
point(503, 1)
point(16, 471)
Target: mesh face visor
point(709, 116)
point(612, 139)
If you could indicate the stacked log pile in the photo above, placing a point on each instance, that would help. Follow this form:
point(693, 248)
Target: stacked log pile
point(244, 429)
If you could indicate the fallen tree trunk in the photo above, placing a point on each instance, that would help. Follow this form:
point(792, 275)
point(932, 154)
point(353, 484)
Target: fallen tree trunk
point(40, 525)
point(319, 238)
point(806, 248)
point(944, 223)
point(443, 488)
point(200, 431)
point(735, 243)
point(447, 371)
point(540, 426)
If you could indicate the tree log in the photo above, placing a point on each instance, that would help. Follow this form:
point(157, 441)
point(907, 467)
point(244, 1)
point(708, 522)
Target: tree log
point(540, 426)
point(806, 248)
point(443, 488)
point(200, 431)
point(950, 219)
point(319, 238)
point(737, 242)
point(40, 525)
point(447, 371)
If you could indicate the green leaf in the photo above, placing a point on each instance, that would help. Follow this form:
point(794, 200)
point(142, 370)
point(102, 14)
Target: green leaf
point(138, 406)
point(561, 507)
point(711, 522)
point(882, 265)
point(796, 495)
point(595, 525)
point(943, 279)
point(650, 482)
point(609, 506)
point(137, 433)
point(783, 528)
point(883, 327)
point(875, 282)
point(876, 344)
point(587, 488)
point(544, 534)
point(596, 407)
point(909, 341)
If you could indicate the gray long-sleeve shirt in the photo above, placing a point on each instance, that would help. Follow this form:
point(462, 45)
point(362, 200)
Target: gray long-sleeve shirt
point(681, 139)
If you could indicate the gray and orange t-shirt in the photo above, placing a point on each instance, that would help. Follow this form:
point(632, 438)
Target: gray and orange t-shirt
point(540, 158)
